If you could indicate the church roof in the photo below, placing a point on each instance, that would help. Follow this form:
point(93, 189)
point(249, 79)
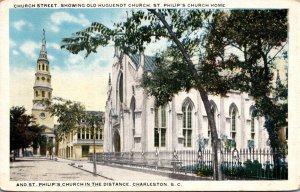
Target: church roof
point(149, 64)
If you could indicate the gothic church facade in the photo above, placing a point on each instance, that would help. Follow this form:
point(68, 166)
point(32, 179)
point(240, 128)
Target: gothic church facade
point(133, 123)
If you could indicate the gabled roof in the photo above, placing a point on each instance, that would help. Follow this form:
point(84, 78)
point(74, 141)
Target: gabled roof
point(149, 64)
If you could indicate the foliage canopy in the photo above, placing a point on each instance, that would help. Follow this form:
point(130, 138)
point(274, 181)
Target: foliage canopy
point(23, 130)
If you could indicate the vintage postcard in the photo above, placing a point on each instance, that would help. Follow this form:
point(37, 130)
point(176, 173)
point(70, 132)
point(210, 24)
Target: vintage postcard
point(149, 96)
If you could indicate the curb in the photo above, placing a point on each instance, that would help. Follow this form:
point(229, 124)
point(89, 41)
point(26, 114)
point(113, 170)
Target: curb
point(159, 173)
point(73, 165)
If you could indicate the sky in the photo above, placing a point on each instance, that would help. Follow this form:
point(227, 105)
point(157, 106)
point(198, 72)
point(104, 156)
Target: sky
point(73, 76)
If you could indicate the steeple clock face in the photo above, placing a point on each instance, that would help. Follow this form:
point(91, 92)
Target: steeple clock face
point(42, 115)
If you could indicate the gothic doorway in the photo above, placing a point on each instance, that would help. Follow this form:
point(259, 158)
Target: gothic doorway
point(117, 142)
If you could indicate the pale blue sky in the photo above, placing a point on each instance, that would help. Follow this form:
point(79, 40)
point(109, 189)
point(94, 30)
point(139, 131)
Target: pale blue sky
point(26, 32)
point(71, 74)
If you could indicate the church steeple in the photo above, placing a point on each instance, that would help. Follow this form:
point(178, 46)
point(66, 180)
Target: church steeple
point(42, 90)
point(42, 86)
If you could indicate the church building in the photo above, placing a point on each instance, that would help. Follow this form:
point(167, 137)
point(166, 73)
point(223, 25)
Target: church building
point(133, 123)
point(43, 90)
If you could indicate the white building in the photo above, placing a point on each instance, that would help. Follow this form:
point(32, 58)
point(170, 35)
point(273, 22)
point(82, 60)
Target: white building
point(132, 123)
point(43, 91)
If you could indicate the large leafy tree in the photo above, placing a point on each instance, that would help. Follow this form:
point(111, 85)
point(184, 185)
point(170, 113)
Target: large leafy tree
point(23, 130)
point(196, 56)
point(254, 41)
point(72, 115)
point(240, 51)
point(69, 115)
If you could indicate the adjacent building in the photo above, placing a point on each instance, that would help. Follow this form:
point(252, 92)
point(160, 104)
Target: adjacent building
point(79, 143)
point(133, 123)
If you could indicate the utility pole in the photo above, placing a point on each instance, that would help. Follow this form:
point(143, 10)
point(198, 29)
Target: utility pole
point(94, 155)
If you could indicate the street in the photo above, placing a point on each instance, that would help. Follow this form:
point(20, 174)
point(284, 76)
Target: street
point(42, 169)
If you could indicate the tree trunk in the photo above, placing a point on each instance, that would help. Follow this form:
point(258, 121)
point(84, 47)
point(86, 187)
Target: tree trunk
point(214, 136)
point(203, 94)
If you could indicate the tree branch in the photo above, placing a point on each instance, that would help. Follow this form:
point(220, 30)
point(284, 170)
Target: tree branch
point(277, 53)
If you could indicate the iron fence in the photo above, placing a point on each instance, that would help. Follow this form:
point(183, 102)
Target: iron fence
point(235, 164)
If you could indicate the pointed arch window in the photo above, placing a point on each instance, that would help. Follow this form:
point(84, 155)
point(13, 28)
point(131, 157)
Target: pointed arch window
point(132, 108)
point(253, 123)
point(160, 126)
point(187, 125)
point(252, 126)
point(233, 123)
point(121, 88)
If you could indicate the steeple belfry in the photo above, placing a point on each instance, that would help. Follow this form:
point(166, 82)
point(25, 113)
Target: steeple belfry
point(43, 91)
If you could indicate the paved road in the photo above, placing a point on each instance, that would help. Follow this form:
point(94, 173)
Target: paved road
point(33, 169)
point(41, 169)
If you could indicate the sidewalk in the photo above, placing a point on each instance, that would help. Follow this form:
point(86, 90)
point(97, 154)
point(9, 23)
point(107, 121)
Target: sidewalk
point(115, 173)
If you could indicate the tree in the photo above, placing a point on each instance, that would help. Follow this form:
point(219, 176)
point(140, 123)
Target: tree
point(69, 114)
point(196, 56)
point(23, 130)
point(257, 39)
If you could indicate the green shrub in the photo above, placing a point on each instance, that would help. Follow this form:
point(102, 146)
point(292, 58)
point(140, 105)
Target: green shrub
point(252, 169)
point(204, 170)
point(255, 170)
